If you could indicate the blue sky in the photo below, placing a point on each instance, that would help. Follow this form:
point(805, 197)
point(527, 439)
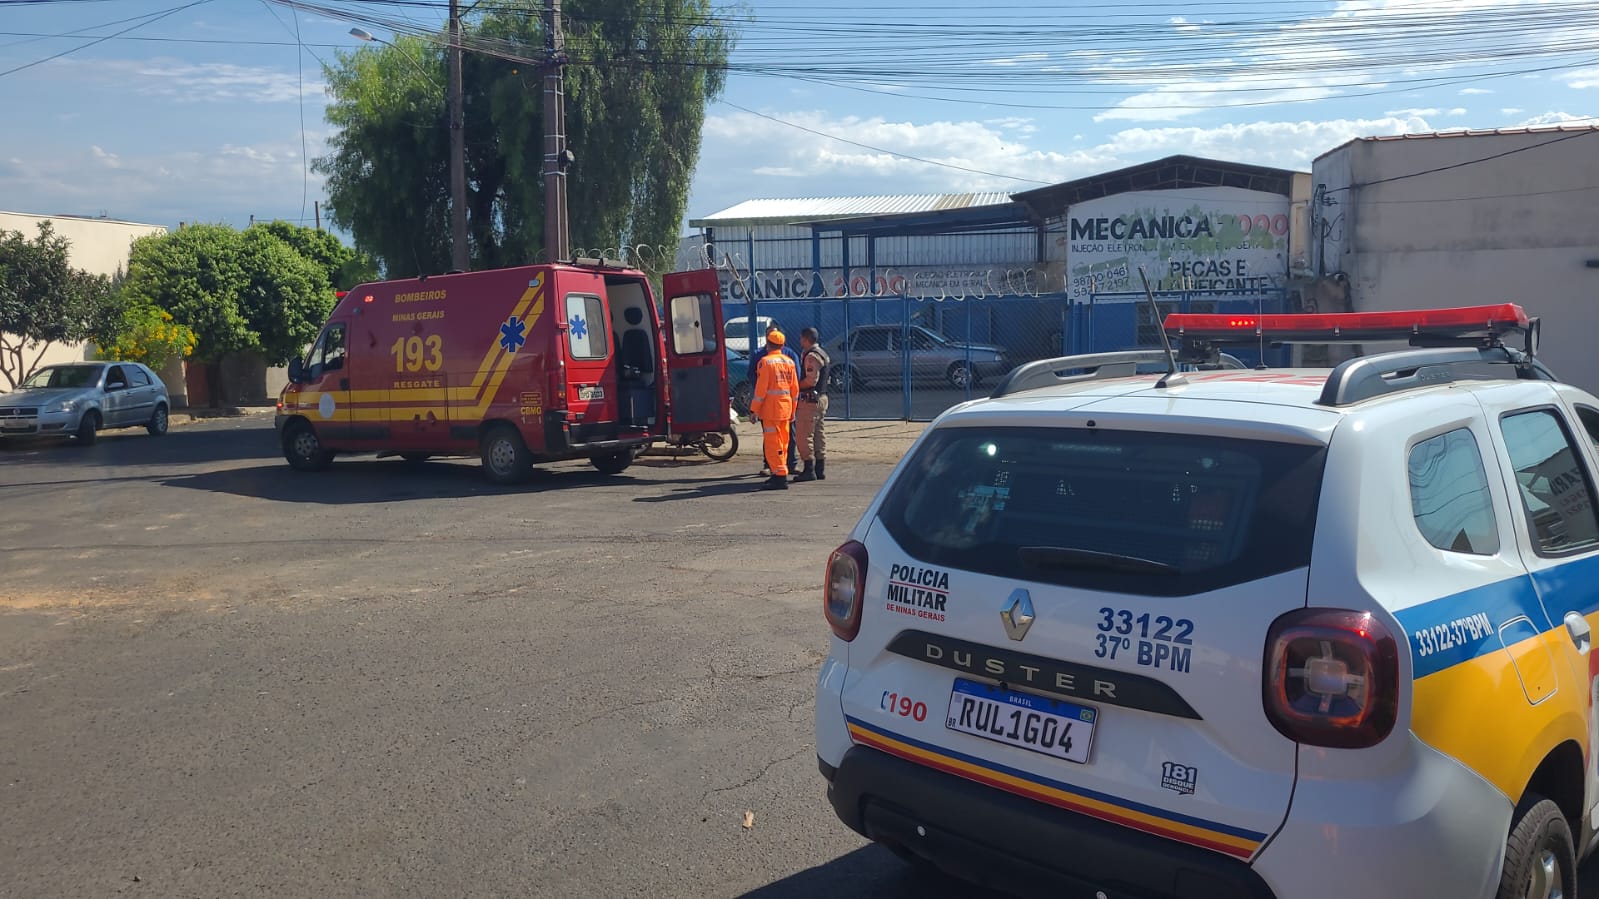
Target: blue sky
point(191, 118)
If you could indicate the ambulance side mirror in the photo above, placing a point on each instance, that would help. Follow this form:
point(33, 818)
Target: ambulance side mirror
point(296, 371)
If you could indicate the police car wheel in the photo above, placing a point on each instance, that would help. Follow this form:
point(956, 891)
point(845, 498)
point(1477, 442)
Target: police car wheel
point(303, 449)
point(612, 463)
point(1540, 861)
point(505, 457)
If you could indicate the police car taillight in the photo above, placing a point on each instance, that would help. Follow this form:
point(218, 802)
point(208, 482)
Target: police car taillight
point(841, 595)
point(1331, 678)
point(1459, 323)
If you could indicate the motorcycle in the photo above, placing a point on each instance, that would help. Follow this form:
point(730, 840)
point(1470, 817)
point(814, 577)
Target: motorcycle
point(718, 446)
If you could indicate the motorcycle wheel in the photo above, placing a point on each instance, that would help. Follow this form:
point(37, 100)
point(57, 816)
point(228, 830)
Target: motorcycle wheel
point(721, 446)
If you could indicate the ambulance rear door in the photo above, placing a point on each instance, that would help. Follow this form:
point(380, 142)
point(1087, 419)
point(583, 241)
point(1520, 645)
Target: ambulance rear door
point(696, 363)
point(584, 321)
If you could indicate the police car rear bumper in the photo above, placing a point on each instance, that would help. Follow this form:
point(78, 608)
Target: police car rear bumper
point(1006, 842)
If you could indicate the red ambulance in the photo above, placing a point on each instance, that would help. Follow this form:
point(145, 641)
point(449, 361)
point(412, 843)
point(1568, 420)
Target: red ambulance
point(520, 365)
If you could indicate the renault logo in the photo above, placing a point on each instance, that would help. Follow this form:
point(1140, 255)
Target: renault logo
point(1017, 614)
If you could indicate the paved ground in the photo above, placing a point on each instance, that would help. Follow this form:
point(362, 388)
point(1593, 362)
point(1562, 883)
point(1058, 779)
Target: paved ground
point(220, 677)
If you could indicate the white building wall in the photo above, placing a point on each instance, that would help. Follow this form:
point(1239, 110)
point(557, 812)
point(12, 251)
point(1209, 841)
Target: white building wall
point(98, 246)
point(1439, 221)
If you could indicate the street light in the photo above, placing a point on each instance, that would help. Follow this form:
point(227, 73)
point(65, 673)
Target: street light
point(459, 256)
point(363, 35)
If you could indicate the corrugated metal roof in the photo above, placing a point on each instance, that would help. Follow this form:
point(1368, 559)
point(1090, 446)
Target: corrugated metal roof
point(805, 209)
point(1466, 132)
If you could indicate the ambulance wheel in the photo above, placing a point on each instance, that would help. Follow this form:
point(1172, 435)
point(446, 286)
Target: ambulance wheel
point(505, 457)
point(302, 448)
point(1540, 862)
point(612, 463)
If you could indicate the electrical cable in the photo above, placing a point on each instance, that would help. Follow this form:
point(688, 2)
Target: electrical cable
point(155, 18)
point(853, 143)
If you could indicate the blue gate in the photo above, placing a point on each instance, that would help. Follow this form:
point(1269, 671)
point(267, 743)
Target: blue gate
point(908, 358)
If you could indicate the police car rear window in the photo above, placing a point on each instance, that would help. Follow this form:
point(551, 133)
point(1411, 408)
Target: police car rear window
point(1122, 511)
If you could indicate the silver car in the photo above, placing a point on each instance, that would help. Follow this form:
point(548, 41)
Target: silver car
point(80, 399)
point(876, 354)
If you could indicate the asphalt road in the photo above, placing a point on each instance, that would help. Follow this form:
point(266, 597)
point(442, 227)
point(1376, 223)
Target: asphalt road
point(221, 677)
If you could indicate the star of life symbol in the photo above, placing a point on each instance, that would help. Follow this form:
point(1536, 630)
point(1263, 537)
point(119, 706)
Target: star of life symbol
point(580, 328)
point(511, 334)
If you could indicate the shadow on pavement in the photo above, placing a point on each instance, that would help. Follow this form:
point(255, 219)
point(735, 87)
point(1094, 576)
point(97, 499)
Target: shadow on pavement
point(180, 446)
point(369, 480)
point(869, 871)
point(733, 485)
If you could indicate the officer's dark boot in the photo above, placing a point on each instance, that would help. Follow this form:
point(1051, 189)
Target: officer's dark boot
point(808, 473)
point(821, 469)
point(775, 482)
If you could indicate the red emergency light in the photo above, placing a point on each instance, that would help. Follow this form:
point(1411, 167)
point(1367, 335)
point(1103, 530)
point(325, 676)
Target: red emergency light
point(1461, 323)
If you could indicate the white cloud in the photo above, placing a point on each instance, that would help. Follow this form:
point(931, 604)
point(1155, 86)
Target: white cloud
point(1019, 59)
point(1411, 112)
point(196, 83)
point(1581, 78)
point(211, 182)
point(1560, 118)
point(1181, 99)
point(794, 163)
point(1474, 91)
point(1511, 110)
point(1457, 111)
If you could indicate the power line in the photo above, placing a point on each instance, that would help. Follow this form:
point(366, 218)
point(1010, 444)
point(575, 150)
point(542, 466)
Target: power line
point(853, 143)
point(156, 18)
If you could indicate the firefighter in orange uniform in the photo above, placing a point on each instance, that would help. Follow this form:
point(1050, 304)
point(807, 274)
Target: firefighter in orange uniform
point(776, 389)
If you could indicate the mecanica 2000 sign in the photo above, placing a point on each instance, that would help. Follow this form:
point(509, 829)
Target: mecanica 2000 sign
point(1213, 238)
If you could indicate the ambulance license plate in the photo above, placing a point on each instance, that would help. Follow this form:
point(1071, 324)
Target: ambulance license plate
point(1056, 728)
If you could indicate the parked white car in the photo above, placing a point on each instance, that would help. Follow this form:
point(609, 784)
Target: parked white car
point(736, 333)
point(80, 399)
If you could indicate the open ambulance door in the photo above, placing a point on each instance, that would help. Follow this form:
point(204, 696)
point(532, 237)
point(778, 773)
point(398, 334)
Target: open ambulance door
point(696, 360)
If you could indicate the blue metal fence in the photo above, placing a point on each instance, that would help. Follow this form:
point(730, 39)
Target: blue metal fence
point(909, 358)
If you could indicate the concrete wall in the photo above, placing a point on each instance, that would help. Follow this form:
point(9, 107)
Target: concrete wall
point(1439, 221)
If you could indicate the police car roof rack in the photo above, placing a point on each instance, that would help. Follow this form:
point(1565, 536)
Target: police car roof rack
point(1073, 369)
point(1365, 377)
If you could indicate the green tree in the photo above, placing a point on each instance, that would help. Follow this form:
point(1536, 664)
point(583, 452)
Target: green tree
point(640, 76)
point(44, 301)
point(237, 291)
point(344, 266)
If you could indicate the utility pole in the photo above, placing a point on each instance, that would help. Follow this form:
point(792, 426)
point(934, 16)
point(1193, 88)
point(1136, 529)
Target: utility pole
point(316, 210)
point(556, 155)
point(459, 259)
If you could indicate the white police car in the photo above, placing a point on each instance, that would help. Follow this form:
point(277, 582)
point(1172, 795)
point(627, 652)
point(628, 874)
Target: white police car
point(1267, 633)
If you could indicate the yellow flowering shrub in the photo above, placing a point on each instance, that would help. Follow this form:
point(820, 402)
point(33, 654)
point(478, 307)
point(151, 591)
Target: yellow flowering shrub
point(149, 335)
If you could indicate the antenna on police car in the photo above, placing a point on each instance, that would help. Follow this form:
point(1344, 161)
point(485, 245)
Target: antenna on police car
point(1171, 377)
